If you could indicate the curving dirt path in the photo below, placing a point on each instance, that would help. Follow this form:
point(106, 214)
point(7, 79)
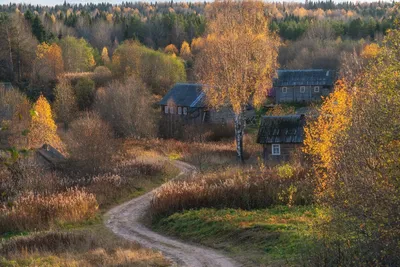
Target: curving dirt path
point(126, 221)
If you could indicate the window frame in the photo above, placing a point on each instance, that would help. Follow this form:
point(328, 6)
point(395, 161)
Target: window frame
point(185, 111)
point(171, 110)
point(179, 110)
point(316, 89)
point(284, 90)
point(278, 146)
point(166, 109)
point(302, 89)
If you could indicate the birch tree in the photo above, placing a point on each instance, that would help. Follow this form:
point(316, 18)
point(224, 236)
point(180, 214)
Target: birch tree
point(239, 59)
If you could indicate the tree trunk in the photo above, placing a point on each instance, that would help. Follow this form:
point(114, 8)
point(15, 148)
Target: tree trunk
point(239, 132)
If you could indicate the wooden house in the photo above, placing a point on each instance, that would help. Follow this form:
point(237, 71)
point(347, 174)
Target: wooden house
point(185, 104)
point(302, 86)
point(280, 136)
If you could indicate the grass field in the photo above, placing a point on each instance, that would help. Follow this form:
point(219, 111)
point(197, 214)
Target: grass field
point(275, 236)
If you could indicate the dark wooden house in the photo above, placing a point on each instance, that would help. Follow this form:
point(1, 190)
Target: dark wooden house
point(185, 104)
point(185, 101)
point(280, 136)
point(302, 85)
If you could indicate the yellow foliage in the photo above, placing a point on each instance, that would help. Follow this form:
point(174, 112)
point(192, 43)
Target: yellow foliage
point(197, 44)
point(43, 129)
point(185, 52)
point(370, 51)
point(104, 56)
point(321, 135)
point(50, 57)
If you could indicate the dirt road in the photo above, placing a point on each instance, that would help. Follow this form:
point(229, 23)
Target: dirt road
point(126, 221)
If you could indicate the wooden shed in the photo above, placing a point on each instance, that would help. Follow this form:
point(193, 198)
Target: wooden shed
point(280, 136)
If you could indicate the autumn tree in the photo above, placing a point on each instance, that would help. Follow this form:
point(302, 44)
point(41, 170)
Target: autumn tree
point(126, 106)
point(156, 69)
point(43, 129)
point(77, 54)
point(48, 64)
point(354, 145)
point(321, 135)
point(185, 51)
point(239, 59)
point(171, 49)
point(65, 105)
point(105, 57)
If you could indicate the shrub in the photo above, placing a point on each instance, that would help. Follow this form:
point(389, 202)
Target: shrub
point(102, 75)
point(127, 108)
point(90, 143)
point(233, 188)
point(84, 92)
point(32, 211)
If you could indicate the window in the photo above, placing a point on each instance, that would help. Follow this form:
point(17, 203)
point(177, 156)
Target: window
point(302, 89)
point(166, 109)
point(184, 111)
point(180, 110)
point(276, 149)
point(316, 89)
point(172, 110)
point(284, 90)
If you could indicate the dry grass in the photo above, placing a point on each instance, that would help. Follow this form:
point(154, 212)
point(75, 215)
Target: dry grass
point(204, 155)
point(234, 188)
point(78, 248)
point(35, 211)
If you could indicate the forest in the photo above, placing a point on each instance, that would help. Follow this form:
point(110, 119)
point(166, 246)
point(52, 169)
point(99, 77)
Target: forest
point(96, 171)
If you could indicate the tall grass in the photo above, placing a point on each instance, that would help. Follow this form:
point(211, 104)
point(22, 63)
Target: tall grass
point(35, 211)
point(234, 188)
point(78, 248)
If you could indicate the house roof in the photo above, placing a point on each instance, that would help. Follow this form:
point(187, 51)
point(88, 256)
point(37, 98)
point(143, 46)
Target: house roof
point(6, 85)
point(50, 154)
point(185, 94)
point(304, 77)
point(281, 129)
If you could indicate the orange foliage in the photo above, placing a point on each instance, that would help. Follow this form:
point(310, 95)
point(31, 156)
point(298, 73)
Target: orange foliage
point(171, 49)
point(321, 135)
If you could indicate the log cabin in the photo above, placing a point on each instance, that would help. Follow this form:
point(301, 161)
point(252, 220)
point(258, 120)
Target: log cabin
point(280, 137)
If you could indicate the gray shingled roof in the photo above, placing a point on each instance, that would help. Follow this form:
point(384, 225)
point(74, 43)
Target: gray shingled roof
point(304, 77)
point(50, 154)
point(185, 94)
point(281, 129)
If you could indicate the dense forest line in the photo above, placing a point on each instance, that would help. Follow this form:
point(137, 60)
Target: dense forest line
point(314, 34)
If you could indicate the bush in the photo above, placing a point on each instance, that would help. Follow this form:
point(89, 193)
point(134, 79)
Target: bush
point(102, 75)
point(233, 188)
point(127, 108)
point(30, 211)
point(84, 93)
point(90, 143)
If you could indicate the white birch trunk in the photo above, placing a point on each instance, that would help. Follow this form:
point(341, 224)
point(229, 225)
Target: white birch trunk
point(239, 132)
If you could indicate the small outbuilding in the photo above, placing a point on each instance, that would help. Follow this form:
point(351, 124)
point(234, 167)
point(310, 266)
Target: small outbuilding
point(280, 136)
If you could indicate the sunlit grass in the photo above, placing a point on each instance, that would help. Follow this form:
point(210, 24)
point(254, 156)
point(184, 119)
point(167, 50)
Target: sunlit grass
point(264, 236)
